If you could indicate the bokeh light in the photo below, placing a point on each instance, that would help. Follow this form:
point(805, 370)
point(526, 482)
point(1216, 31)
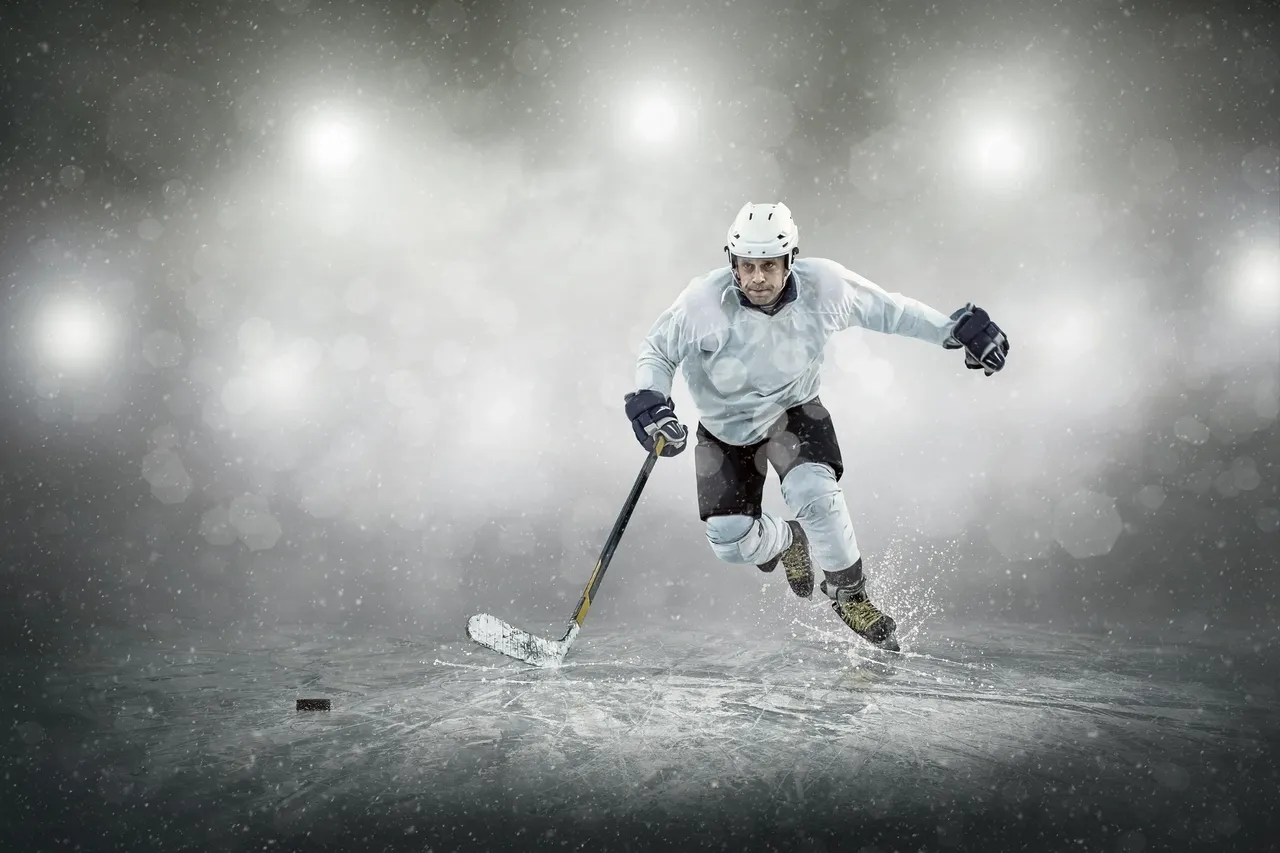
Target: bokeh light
point(328, 140)
point(282, 379)
point(998, 152)
point(1256, 294)
point(75, 334)
point(655, 119)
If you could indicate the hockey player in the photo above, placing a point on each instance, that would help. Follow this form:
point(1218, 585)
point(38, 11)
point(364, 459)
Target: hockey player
point(750, 339)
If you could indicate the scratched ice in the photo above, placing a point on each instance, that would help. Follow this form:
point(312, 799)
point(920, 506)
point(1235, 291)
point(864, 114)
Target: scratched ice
point(648, 722)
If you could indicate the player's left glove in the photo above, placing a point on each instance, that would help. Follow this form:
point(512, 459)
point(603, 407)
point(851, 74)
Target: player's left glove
point(985, 345)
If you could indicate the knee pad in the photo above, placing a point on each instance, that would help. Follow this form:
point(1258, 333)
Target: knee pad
point(743, 539)
point(813, 494)
point(811, 487)
point(728, 529)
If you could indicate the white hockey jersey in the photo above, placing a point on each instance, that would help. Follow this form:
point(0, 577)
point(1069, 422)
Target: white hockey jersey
point(745, 367)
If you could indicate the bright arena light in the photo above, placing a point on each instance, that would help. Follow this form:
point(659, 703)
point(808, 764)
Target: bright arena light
point(1257, 285)
point(74, 335)
point(998, 152)
point(655, 119)
point(329, 142)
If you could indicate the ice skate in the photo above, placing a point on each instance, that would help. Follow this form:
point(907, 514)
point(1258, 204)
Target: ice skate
point(850, 602)
point(796, 562)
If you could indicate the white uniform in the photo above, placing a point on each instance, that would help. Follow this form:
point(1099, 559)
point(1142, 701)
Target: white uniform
point(745, 367)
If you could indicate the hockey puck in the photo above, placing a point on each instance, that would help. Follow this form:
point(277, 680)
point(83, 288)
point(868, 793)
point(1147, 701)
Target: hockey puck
point(313, 705)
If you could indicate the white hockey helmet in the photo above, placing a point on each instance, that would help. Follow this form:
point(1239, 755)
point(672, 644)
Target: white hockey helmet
point(763, 231)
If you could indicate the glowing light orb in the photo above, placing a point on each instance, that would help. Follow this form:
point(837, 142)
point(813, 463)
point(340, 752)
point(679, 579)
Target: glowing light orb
point(998, 151)
point(1257, 286)
point(74, 335)
point(330, 143)
point(655, 119)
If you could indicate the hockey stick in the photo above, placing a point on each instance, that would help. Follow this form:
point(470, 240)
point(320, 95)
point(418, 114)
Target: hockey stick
point(502, 637)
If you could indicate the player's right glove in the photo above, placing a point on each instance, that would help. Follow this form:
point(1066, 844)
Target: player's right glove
point(650, 414)
point(985, 344)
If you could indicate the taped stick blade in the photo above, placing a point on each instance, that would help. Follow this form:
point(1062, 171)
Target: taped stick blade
point(503, 637)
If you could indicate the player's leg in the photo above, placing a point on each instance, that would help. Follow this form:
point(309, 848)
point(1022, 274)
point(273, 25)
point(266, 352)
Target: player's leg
point(791, 547)
point(805, 451)
point(730, 493)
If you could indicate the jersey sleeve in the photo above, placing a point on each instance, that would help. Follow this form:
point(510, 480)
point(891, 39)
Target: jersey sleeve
point(661, 352)
point(863, 303)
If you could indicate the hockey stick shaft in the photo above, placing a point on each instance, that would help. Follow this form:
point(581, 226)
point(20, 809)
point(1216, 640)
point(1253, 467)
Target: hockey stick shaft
point(615, 535)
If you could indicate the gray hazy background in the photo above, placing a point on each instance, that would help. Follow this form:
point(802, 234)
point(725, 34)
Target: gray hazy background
point(325, 311)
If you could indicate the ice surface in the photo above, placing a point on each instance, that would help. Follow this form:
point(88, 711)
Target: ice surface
point(697, 737)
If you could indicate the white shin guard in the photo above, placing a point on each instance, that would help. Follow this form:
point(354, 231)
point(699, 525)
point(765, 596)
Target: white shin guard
point(743, 539)
point(813, 494)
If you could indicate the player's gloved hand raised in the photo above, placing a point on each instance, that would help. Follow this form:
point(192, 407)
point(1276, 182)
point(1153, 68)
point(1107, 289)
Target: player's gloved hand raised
point(650, 414)
point(985, 345)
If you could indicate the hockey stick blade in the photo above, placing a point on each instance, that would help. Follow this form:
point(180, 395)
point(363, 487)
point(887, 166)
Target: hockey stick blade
point(502, 637)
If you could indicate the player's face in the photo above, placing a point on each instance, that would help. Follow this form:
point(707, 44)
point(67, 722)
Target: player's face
point(762, 279)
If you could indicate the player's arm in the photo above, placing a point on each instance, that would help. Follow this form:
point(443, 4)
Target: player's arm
point(865, 304)
point(660, 354)
point(868, 305)
point(649, 407)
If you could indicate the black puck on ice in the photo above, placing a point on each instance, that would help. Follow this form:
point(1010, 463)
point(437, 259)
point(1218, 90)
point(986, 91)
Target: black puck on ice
point(313, 705)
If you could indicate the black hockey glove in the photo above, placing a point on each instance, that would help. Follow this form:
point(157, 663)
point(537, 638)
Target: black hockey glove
point(650, 414)
point(985, 345)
